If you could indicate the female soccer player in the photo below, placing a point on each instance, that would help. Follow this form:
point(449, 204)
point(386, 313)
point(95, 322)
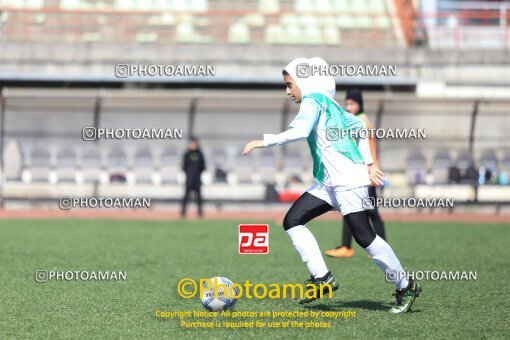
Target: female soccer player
point(343, 169)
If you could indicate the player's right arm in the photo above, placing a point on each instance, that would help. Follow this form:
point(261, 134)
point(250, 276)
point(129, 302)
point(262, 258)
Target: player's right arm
point(300, 127)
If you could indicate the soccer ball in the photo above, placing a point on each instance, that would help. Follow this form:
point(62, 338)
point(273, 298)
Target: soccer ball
point(224, 301)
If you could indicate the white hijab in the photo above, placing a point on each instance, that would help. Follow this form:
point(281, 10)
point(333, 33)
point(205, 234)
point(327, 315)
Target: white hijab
point(314, 83)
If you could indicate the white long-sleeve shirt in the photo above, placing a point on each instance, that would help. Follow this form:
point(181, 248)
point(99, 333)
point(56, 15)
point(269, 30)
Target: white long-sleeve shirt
point(340, 173)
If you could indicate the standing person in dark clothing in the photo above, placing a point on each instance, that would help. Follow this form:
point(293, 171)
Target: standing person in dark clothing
point(354, 104)
point(193, 164)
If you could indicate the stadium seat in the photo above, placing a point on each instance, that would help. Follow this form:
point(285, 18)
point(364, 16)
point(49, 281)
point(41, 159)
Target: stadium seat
point(489, 159)
point(102, 20)
point(312, 35)
point(382, 22)
point(4, 18)
point(91, 166)
point(290, 20)
point(274, 34)
point(40, 163)
point(323, 6)
point(185, 33)
point(268, 166)
point(469, 172)
point(155, 20)
point(292, 165)
point(293, 35)
point(239, 33)
point(34, 4)
point(143, 166)
point(358, 6)
point(181, 6)
point(327, 21)
point(117, 163)
point(164, 5)
point(167, 19)
point(464, 160)
point(332, 36)
point(219, 165)
point(308, 20)
point(440, 166)
point(340, 6)
point(305, 6)
point(254, 20)
point(91, 37)
point(198, 5)
point(144, 5)
point(13, 161)
point(244, 168)
point(38, 18)
point(70, 4)
point(268, 6)
point(104, 4)
point(66, 165)
point(416, 168)
point(194, 6)
point(170, 167)
point(88, 5)
point(146, 37)
point(363, 22)
point(376, 6)
point(344, 21)
point(123, 4)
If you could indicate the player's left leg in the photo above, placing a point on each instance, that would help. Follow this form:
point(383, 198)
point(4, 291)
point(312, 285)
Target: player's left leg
point(306, 208)
point(377, 248)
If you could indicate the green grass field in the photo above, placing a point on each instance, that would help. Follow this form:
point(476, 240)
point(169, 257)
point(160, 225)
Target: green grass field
point(156, 255)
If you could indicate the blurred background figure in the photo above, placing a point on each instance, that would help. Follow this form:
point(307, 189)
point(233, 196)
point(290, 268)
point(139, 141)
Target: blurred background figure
point(193, 164)
point(354, 105)
point(454, 175)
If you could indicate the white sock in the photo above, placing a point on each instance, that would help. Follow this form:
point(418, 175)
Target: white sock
point(385, 258)
point(306, 245)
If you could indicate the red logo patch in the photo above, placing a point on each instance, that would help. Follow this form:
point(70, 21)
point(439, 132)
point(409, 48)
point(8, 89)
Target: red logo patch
point(253, 239)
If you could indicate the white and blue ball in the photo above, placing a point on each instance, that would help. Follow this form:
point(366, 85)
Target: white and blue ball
point(224, 300)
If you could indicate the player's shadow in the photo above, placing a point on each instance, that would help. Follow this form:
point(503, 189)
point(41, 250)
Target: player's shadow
point(363, 304)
